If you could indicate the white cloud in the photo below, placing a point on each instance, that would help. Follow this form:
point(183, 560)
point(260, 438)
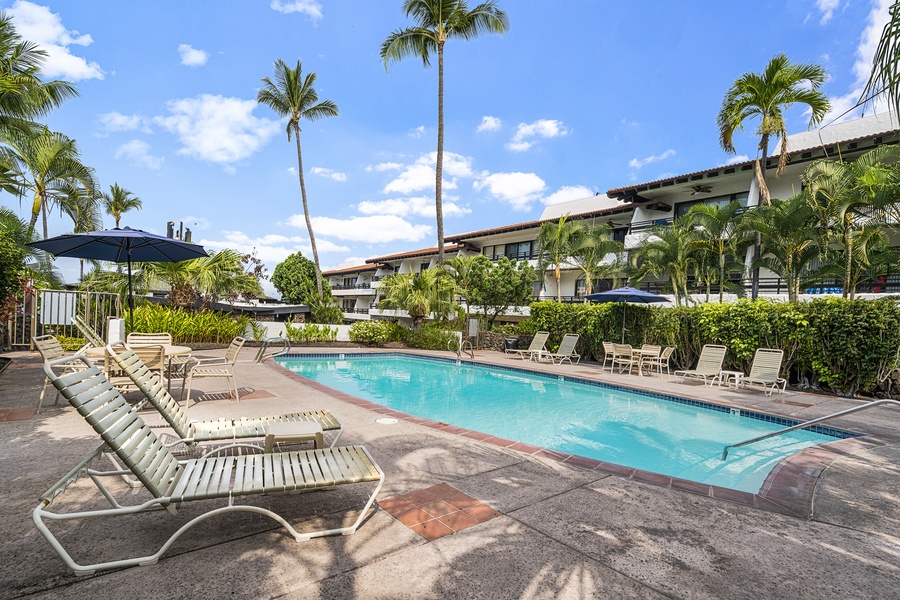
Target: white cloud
point(192, 57)
point(637, 163)
point(310, 8)
point(420, 206)
point(137, 153)
point(217, 129)
point(542, 128)
point(417, 132)
point(420, 175)
point(566, 193)
point(489, 124)
point(737, 159)
point(842, 107)
point(518, 190)
point(390, 166)
point(271, 249)
point(37, 24)
point(377, 229)
point(827, 7)
point(112, 122)
point(328, 173)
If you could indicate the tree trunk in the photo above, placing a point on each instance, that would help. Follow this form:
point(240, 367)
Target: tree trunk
point(763, 199)
point(439, 162)
point(309, 228)
point(558, 284)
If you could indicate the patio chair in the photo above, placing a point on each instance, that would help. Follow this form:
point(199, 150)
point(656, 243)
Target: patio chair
point(645, 355)
point(609, 354)
point(566, 351)
point(153, 357)
point(765, 370)
point(192, 432)
point(623, 357)
point(137, 338)
point(171, 483)
point(535, 347)
point(91, 337)
point(660, 361)
point(215, 367)
point(709, 365)
point(50, 349)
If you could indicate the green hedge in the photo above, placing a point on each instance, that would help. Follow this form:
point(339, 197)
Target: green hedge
point(836, 345)
point(204, 327)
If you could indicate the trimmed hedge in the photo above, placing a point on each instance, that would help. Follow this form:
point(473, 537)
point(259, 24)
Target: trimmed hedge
point(836, 345)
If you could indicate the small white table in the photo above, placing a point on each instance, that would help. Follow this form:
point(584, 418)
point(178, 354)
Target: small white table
point(729, 377)
point(294, 432)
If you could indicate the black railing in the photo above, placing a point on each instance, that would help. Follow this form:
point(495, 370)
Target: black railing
point(358, 286)
point(517, 256)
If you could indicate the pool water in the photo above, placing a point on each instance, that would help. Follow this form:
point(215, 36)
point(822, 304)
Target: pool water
point(603, 422)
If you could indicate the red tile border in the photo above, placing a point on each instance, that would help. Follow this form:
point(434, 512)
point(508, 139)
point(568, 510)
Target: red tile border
point(787, 490)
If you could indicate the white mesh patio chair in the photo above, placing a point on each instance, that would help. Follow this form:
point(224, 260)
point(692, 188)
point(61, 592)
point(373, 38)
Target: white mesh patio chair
point(609, 354)
point(566, 351)
point(50, 349)
point(536, 346)
point(661, 361)
point(222, 367)
point(623, 357)
point(215, 481)
point(765, 371)
point(709, 365)
point(91, 337)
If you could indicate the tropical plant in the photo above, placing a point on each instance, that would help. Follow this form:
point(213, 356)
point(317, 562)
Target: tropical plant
point(592, 254)
point(35, 265)
point(498, 286)
point(85, 217)
point(323, 308)
point(667, 250)
point(48, 165)
point(557, 241)
point(885, 75)
point(714, 236)
point(294, 96)
point(437, 21)
point(118, 201)
point(463, 271)
point(429, 292)
point(294, 277)
point(765, 96)
point(789, 239)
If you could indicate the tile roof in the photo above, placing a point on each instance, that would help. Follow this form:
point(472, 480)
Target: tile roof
point(415, 253)
point(355, 269)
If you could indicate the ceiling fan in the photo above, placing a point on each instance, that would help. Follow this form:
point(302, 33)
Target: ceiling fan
point(701, 189)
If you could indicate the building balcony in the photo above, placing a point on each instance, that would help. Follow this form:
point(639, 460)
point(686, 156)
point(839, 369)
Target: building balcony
point(352, 291)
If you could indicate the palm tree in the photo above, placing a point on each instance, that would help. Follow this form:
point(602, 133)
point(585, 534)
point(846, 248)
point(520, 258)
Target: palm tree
point(85, 217)
point(463, 271)
point(49, 166)
point(294, 96)
point(119, 201)
point(667, 251)
point(419, 294)
point(847, 198)
point(789, 239)
point(557, 241)
point(588, 255)
point(715, 236)
point(885, 76)
point(765, 96)
point(436, 22)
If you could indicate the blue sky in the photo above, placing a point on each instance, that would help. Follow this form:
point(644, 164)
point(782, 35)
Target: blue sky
point(580, 96)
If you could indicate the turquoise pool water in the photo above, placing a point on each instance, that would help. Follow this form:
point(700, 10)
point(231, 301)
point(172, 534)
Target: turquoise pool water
point(601, 422)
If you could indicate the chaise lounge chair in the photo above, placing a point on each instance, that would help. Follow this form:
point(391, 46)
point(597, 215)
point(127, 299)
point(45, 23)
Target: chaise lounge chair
point(535, 348)
point(192, 432)
point(709, 365)
point(765, 370)
point(172, 483)
point(566, 351)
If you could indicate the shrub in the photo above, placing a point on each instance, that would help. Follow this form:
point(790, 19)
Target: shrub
point(372, 332)
point(431, 336)
point(189, 327)
point(310, 332)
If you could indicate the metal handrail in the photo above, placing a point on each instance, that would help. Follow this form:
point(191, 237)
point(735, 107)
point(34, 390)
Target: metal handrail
point(807, 424)
point(261, 355)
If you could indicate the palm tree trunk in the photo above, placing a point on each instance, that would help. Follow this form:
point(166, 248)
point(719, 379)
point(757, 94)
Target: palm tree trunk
point(558, 284)
point(309, 228)
point(763, 199)
point(439, 162)
point(721, 278)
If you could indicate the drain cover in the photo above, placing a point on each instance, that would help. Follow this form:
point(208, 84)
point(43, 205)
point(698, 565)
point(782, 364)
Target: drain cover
point(387, 421)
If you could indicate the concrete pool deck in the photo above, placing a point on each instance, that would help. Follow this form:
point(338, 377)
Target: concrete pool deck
point(560, 530)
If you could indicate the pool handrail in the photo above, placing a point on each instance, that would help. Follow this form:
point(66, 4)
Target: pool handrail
point(807, 424)
point(261, 355)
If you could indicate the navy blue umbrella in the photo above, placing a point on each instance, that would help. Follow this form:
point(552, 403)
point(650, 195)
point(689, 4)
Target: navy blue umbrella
point(121, 245)
point(625, 294)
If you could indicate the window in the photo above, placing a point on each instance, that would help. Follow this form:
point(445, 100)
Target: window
point(619, 234)
point(348, 304)
point(349, 282)
point(423, 267)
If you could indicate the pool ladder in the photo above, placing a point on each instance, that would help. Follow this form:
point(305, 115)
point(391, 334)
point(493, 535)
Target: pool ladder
point(807, 424)
point(261, 355)
point(456, 344)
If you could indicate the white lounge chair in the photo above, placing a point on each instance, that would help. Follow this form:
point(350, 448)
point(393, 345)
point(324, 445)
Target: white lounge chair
point(766, 370)
point(709, 365)
point(50, 349)
point(91, 337)
point(566, 351)
point(171, 483)
point(535, 347)
point(193, 432)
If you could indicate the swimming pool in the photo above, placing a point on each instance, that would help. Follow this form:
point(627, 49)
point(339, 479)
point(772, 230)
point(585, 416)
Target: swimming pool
point(652, 432)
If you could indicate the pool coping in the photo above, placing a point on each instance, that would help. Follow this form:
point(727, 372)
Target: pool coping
point(788, 489)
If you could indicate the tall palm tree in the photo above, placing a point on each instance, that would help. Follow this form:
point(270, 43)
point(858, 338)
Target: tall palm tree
point(436, 22)
point(557, 241)
point(668, 250)
point(119, 201)
point(463, 271)
point(588, 255)
point(83, 211)
point(419, 294)
point(294, 96)
point(789, 239)
point(765, 96)
point(715, 235)
point(885, 76)
point(49, 166)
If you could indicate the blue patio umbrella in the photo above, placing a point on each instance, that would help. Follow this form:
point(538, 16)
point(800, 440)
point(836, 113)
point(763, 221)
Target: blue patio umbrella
point(121, 245)
point(625, 294)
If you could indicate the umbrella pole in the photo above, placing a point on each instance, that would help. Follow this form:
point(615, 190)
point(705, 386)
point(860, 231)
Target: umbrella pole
point(130, 298)
point(624, 306)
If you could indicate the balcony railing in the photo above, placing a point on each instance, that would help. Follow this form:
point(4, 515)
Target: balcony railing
point(358, 286)
point(533, 255)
